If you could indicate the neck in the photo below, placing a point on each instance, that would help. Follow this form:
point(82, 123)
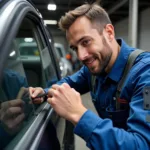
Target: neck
point(115, 53)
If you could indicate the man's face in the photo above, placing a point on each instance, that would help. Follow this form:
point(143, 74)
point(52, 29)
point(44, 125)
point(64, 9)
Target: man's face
point(91, 47)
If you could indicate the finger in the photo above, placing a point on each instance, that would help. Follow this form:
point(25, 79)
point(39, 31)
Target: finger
point(22, 92)
point(4, 105)
point(73, 90)
point(55, 86)
point(50, 100)
point(51, 92)
point(14, 111)
point(19, 119)
point(37, 100)
point(66, 85)
point(77, 93)
point(12, 103)
point(31, 90)
point(16, 102)
point(37, 91)
point(13, 124)
point(26, 92)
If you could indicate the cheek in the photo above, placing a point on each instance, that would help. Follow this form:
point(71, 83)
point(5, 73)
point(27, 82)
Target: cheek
point(96, 49)
point(98, 46)
point(106, 50)
point(99, 52)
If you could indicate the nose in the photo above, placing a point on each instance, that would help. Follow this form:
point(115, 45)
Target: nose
point(82, 53)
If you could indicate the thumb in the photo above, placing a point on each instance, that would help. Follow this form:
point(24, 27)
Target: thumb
point(37, 91)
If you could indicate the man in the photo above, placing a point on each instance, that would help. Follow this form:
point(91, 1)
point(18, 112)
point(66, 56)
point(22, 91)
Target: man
point(91, 35)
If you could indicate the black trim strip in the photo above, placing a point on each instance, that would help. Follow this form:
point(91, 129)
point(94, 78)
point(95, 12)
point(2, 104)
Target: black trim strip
point(36, 129)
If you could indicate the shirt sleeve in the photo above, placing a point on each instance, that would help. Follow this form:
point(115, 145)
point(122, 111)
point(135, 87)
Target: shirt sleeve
point(78, 81)
point(100, 134)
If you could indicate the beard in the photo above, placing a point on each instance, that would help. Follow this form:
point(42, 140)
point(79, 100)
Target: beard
point(105, 59)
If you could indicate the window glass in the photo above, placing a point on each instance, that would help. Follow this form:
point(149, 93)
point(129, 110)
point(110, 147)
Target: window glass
point(16, 106)
point(25, 66)
point(59, 51)
point(28, 48)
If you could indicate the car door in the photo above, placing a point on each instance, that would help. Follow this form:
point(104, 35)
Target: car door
point(24, 125)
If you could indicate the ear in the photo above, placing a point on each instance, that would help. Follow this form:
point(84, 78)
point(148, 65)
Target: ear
point(109, 32)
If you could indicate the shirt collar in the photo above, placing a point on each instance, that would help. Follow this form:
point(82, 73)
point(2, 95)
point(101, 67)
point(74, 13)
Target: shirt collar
point(119, 65)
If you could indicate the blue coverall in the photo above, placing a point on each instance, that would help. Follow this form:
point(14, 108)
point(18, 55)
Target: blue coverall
point(98, 131)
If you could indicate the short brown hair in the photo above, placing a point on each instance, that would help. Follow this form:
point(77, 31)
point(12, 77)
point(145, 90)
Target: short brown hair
point(95, 13)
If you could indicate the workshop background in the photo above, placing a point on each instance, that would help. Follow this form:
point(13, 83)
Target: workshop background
point(130, 18)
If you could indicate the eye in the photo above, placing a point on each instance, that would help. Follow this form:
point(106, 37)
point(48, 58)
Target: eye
point(86, 42)
point(73, 48)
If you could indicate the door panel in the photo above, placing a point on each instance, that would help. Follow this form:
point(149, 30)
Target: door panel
point(25, 66)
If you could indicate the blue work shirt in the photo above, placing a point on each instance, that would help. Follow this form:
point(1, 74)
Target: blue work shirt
point(98, 131)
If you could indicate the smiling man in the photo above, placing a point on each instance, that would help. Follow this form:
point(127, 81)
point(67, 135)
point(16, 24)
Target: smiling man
point(92, 47)
point(123, 121)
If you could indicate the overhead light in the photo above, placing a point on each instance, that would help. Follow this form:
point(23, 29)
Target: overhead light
point(52, 22)
point(28, 39)
point(51, 7)
point(12, 53)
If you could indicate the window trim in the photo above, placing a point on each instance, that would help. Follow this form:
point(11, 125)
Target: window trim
point(37, 127)
point(12, 23)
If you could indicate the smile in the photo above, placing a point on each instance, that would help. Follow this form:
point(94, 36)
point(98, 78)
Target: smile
point(90, 62)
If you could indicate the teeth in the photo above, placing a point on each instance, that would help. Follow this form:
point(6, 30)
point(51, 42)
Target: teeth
point(89, 62)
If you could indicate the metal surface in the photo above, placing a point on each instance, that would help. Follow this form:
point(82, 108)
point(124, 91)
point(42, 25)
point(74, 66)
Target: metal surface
point(116, 6)
point(146, 95)
point(133, 22)
point(31, 133)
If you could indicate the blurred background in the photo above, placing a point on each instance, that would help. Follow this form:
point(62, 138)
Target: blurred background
point(130, 18)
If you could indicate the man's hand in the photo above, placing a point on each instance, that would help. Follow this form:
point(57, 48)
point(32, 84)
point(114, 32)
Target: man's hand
point(12, 115)
point(35, 92)
point(66, 102)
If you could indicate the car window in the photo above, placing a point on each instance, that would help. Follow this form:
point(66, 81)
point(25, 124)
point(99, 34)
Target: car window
point(59, 51)
point(28, 47)
point(28, 64)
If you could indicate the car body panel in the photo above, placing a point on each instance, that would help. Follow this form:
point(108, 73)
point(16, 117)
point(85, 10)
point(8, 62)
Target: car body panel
point(65, 65)
point(43, 118)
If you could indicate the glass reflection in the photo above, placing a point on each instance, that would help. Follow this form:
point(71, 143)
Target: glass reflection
point(15, 105)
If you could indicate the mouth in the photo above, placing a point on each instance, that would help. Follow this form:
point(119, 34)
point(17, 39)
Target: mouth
point(89, 62)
